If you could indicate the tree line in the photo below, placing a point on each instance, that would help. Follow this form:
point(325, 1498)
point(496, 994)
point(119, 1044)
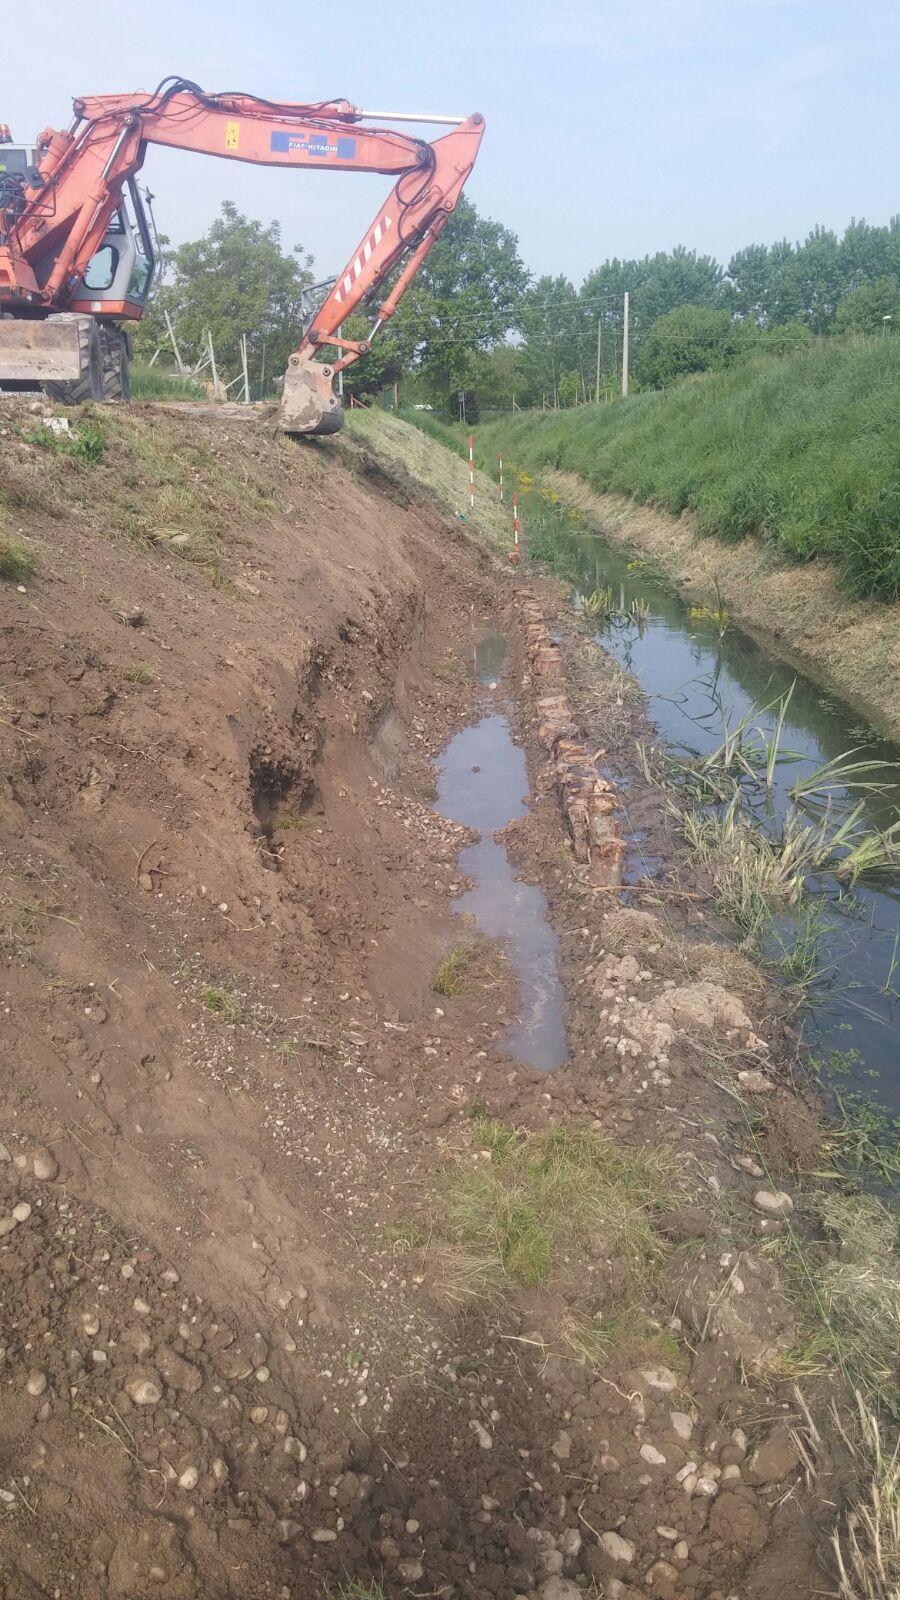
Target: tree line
point(476, 321)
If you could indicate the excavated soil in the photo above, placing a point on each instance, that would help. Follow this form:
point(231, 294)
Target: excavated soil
point(228, 1085)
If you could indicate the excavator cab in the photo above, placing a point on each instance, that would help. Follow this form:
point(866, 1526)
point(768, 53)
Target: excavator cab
point(79, 355)
point(120, 274)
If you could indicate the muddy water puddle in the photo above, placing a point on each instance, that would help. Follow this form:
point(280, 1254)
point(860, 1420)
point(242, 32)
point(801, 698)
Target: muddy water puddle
point(483, 784)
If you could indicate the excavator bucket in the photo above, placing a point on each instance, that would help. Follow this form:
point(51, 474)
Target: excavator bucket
point(308, 403)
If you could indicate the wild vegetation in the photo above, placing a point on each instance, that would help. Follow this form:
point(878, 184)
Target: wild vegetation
point(532, 1204)
point(153, 383)
point(803, 450)
point(16, 560)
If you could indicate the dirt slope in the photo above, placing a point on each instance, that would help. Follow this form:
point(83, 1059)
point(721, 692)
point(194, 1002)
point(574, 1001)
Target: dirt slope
point(233, 1363)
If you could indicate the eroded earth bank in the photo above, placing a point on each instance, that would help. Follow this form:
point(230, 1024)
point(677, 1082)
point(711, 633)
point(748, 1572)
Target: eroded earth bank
point(308, 1286)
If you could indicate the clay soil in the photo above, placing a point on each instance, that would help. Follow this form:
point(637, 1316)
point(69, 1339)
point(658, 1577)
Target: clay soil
point(233, 1362)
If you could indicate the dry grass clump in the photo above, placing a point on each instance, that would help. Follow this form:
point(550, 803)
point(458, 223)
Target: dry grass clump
point(859, 1288)
point(463, 1278)
point(627, 931)
point(607, 695)
point(721, 964)
point(866, 1545)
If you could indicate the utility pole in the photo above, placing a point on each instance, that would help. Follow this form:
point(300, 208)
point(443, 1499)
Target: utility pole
point(597, 386)
point(625, 346)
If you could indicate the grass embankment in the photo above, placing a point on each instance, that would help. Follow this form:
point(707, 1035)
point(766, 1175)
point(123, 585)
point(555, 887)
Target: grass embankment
point(146, 483)
point(803, 450)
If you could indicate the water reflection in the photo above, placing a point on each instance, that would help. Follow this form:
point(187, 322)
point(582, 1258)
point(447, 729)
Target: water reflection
point(694, 678)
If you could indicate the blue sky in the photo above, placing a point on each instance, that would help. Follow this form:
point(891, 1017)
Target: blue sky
point(614, 127)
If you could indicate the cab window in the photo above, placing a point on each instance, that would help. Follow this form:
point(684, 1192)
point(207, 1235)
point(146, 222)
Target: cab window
point(102, 269)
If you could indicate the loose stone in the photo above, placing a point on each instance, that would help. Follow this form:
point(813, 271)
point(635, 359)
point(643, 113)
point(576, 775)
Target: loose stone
point(144, 1392)
point(617, 1548)
point(774, 1202)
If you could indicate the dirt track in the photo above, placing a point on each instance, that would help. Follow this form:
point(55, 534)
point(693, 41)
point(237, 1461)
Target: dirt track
point(224, 896)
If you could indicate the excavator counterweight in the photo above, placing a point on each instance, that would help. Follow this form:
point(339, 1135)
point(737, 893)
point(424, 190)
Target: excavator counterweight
point(76, 251)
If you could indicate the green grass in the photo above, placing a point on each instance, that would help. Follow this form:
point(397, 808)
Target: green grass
point(149, 384)
point(454, 437)
point(85, 443)
point(464, 969)
point(567, 1191)
point(222, 1004)
point(802, 449)
point(16, 561)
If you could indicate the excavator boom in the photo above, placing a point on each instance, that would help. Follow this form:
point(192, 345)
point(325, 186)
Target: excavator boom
point(64, 213)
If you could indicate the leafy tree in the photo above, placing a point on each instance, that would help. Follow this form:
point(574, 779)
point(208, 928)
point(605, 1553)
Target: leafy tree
point(235, 279)
point(806, 282)
point(785, 338)
point(865, 309)
point(500, 380)
point(463, 300)
point(569, 388)
point(680, 277)
point(382, 366)
point(657, 284)
point(809, 284)
point(557, 333)
point(751, 280)
point(690, 339)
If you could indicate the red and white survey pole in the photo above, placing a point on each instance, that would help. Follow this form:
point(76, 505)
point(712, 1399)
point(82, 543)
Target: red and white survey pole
point(515, 554)
point(501, 477)
point(471, 472)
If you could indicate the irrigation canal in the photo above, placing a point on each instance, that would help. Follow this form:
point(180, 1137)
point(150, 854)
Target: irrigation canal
point(698, 680)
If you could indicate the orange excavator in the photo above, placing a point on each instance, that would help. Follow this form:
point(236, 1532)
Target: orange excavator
point(77, 258)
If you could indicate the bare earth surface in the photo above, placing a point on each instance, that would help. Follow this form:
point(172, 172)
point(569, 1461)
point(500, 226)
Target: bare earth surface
point(242, 1353)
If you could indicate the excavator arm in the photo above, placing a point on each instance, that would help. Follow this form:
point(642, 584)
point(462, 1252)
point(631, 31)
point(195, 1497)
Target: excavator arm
point(67, 202)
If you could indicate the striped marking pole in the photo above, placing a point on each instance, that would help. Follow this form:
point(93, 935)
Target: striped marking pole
point(501, 477)
point(515, 554)
point(471, 472)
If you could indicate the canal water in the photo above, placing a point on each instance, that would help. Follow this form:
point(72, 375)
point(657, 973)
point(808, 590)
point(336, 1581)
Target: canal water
point(697, 680)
